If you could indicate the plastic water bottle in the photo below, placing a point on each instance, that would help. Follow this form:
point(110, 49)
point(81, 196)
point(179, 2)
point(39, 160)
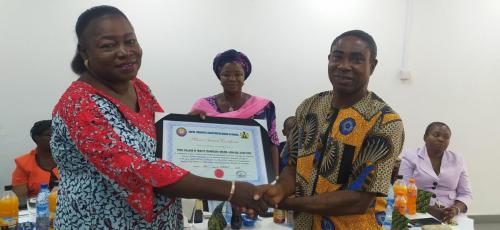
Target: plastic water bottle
point(42, 208)
point(289, 218)
point(227, 211)
point(389, 208)
point(53, 204)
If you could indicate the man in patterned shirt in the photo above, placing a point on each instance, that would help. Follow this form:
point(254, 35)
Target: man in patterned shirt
point(343, 147)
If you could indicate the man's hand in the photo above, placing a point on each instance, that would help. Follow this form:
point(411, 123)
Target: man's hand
point(271, 194)
point(244, 199)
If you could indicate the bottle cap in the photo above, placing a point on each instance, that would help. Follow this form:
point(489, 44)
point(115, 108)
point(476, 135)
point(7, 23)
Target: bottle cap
point(412, 180)
point(44, 186)
point(400, 176)
point(8, 187)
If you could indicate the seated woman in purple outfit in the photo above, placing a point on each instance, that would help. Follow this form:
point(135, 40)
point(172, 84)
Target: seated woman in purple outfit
point(439, 171)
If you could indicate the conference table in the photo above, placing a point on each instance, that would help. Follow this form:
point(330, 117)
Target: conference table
point(464, 222)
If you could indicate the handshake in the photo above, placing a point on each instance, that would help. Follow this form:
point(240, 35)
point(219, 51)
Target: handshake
point(254, 200)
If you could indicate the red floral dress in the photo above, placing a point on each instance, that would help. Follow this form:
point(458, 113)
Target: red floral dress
point(105, 153)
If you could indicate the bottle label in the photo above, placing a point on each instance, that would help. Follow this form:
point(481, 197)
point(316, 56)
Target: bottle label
point(8, 223)
point(51, 220)
point(42, 209)
point(289, 217)
point(42, 223)
point(279, 216)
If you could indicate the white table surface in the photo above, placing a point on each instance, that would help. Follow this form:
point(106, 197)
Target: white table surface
point(464, 222)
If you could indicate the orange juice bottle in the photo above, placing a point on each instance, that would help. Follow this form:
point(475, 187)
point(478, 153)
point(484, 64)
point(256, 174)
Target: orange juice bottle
point(399, 185)
point(9, 209)
point(412, 197)
point(400, 203)
point(53, 204)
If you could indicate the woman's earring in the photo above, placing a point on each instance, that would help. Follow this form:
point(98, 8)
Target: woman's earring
point(86, 63)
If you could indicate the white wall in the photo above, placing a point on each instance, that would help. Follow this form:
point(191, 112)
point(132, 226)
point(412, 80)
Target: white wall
point(452, 50)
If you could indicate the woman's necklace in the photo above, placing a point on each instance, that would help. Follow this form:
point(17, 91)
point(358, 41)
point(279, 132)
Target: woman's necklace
point(232, 107)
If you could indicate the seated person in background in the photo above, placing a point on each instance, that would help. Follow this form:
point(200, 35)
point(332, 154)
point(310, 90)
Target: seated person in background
point(283, 147)
point(439, 171)
point(37, 166)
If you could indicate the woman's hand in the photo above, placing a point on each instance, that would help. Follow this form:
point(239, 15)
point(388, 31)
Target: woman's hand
point(202, 114)
point(436, 212)
point(243, 198)
point(449, 213)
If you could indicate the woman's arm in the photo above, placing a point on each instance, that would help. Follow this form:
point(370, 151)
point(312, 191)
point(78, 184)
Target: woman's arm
point(464, 192)
point(20, 183)
point(192, 186)
point(22, 193)
point(80, 120)
point(97, 140)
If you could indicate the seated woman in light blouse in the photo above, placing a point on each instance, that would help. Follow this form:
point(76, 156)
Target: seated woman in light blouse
point(439, 171)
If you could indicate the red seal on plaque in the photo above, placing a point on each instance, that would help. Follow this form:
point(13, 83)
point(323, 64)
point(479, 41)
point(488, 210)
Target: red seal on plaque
point(219, 173)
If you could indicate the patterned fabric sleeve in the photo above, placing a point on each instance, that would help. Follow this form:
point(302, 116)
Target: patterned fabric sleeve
point(295, 134)
point(293, 145)
point(373, 168)
point(101, 145)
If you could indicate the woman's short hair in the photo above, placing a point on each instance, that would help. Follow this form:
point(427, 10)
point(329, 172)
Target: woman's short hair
point(77, 64)
point(434, 124)
point(232, 56)
point(39, 127)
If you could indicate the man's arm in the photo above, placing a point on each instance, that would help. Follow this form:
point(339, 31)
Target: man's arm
point(337, 203)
